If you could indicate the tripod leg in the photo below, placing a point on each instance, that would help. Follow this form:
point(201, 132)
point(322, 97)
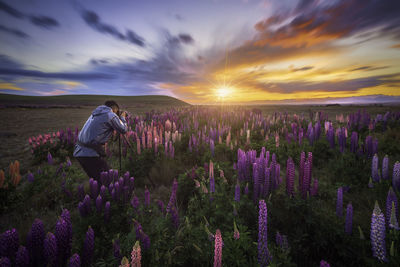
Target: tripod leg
point(120, 164)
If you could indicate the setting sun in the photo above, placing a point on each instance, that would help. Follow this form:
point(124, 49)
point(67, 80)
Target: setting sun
point(223, 92)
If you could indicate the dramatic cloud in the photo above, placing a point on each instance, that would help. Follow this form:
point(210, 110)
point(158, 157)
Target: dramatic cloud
point(7, 62)
point(40, 21)
point(10, 86)
point(94, 21)
point(58, 75)
point(321, 23)
point(334, 86)
point(11, 11)
point(44, 22)
point(14, 32)
point(186, 38)
point(369, 68)
point(303, 68)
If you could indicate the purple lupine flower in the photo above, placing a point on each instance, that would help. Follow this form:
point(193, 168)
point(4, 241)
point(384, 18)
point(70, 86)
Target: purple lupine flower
point(94, 188)
point(237, 192)
point(68, 163)
point(218, 249)
point(50, 249)
point(50, 159)
point(117, 190)
point(212, 147)
point(80, 192)
point(131, 183)
point(99, 203)
point(391, 197)
point(290, 172)
point(375, 172)
point(88, 247)
point(378, 234)
point(172, 198)
point(5, 262)
point(81, 208)
point(22, 258)
point(74, 261)
point(146, 197)
point(396, 176)
point(30, 177)
point(67, 218)
point(135, 203)
point(9, 243)
point(62, 238)
point(354, 142)
point(174, 217)
point(301, 169)
point(306, 179)
point(117, 250)
point(103, 191)
point(36, 239)
point(349, 219)
point(141, 235)
point(385, 168)
point(87, 203)
point(212, 185)
point(263, 253)
point(324, 264)
point(107, 211)
point(339, 202)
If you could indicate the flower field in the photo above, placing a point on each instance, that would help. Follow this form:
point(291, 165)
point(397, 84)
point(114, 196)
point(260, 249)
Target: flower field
point(213, 186)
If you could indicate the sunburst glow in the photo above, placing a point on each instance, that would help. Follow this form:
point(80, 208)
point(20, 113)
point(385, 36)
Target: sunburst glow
point(224, 92)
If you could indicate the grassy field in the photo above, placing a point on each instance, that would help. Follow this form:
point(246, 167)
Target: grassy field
point(44, 199)
point(25, 116)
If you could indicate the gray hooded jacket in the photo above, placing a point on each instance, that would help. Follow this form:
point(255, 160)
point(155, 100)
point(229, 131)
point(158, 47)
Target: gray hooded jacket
point(97, 130)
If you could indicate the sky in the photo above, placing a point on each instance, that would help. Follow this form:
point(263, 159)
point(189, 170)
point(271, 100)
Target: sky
point(204, 52)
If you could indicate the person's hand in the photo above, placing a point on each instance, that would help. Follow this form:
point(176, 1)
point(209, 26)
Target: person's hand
point(123, 114)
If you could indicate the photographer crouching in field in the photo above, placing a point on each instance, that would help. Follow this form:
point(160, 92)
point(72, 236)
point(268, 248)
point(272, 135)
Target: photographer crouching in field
point(89, 149)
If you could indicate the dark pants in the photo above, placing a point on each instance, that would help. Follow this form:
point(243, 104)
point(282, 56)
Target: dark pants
point(93, 166)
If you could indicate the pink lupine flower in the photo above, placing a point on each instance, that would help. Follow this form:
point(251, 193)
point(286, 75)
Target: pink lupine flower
point(218, 249)
point(136, 255)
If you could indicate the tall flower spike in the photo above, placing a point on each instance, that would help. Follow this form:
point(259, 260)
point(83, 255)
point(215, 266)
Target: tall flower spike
point(339, 202)
point(88, 247)
point(136, 256)
point(396, 176)
point(393, 223)
point(218, 249)
point(172, 198)
point(74, 261)
point(263, 253)
point(50, 249)
point(324, 264)
point(385, 168)
point(236, 234)
point(391, 198)
point(378, 234)
point(237, 192)
point(374, 168)
point(22, 258)
point(349, 219)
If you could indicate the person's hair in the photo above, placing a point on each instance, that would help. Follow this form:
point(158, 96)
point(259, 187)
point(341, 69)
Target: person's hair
point(111, 104)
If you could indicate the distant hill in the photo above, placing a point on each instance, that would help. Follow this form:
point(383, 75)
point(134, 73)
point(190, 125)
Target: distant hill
point(9, 100)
